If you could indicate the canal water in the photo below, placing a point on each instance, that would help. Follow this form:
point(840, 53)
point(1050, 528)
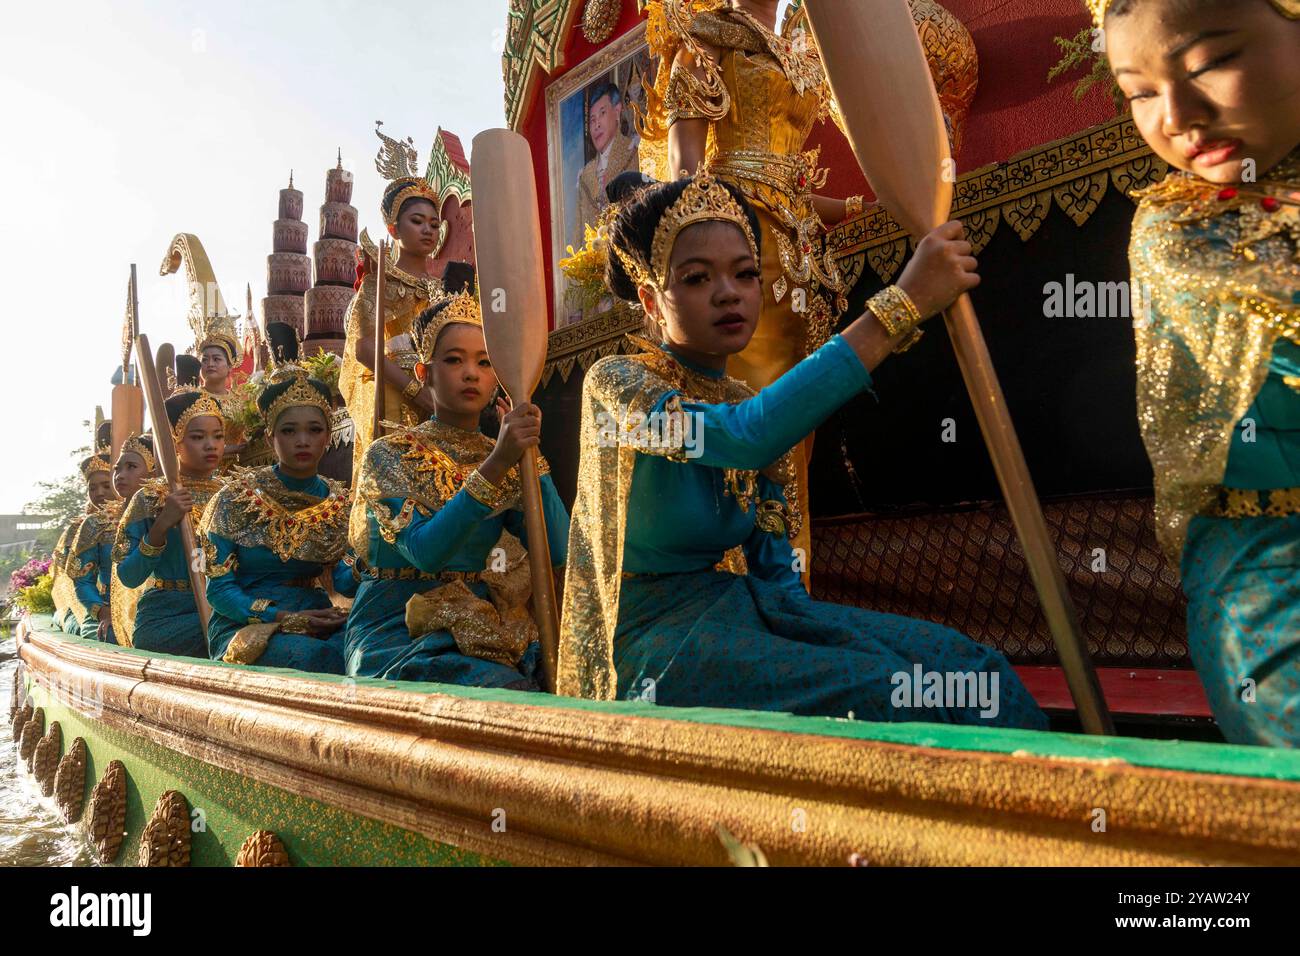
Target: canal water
point(31, 831)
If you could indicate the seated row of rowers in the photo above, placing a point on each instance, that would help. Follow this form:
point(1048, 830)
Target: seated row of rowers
point(430, 544)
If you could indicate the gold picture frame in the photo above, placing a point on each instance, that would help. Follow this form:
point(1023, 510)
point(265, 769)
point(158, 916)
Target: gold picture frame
point(627, 65)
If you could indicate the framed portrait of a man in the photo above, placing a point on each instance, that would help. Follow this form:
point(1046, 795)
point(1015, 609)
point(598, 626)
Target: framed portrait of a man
point(592, 139)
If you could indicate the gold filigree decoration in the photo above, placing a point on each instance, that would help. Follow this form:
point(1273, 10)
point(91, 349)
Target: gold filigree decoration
point(45, 761)
point(70, 782)
point(535, 38)
point(262, 848)
point(983, 198)
point(16, 696)
point(21, 716)
point(31, 735)
point(166, 837)
point(599, 17)
point(106, 815)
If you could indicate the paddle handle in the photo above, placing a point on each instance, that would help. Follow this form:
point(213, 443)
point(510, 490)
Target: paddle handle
point(1026, 515)
point(381, 292)
point(545, 607)
point(165, 450)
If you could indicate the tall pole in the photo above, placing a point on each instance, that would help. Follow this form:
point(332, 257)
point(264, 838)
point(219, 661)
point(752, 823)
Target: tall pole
point(165, 449)
point(882, 85)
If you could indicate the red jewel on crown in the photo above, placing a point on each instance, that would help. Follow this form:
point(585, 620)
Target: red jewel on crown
point(1270, 204)
point(1227, 193)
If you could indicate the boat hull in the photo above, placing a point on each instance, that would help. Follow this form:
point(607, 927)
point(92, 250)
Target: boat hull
point(358, 771)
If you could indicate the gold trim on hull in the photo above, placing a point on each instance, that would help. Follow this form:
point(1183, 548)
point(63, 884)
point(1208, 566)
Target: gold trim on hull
point(585, 787)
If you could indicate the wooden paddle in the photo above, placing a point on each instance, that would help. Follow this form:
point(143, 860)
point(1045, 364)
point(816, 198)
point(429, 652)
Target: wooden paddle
point(165, 451)
point(878, 73)
point(512, 296)
point(127, 398)
point(381, 289)
point(164, 362)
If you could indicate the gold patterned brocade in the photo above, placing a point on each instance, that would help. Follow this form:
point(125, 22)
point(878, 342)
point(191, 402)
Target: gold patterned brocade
point(256, 510)
point(145, 504)
point(98, 525)
point(61, 587)
point(1217, 271)
point(621, 388)
point(406, 296)
point(425, 465)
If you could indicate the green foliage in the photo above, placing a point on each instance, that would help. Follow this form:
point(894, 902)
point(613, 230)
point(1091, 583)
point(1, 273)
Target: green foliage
point(325, 367)
point(1078, 53)
point(39, 598)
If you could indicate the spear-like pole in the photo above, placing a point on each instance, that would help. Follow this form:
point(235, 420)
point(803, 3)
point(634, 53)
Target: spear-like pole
point(165, 449)
point(882, 85)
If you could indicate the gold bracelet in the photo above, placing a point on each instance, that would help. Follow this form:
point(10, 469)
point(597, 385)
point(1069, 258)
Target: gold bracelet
point(148, 550)
point(897, 315)
point(413, 388)
point(853, 207)
point(483, 491)
point(295, 624)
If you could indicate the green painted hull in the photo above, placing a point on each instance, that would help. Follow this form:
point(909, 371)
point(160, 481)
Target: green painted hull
point(360, 772)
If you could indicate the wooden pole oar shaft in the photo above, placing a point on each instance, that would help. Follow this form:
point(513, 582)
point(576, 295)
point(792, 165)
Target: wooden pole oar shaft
point(546, 610)
point(878, 72)
point(1026, 515)
point(165, 450)
point(381, 291)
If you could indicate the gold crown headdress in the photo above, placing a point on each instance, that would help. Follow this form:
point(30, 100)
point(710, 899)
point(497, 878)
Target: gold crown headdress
point(1288, 8)
point(205, 404)
point(300, 393)
point(706, 199)
point(96, 462)
point(134, 445)
point(462, 307)
point(399, 191)
point(219, 330)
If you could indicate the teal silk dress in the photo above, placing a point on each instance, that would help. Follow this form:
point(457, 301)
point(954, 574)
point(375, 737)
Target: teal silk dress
point(1242, 575)
point(90, 566)
point(166, 619)
point(268, 537)
point(690, 631)
point(1219, 406)
point(432, 535)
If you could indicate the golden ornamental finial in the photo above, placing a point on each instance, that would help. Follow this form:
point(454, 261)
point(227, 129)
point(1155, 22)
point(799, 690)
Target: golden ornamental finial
point(462, 307)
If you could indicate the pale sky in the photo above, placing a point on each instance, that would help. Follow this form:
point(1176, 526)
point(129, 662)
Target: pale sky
point(128, 122)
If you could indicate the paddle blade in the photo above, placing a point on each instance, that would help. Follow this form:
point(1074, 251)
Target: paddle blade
point(878, 73)
point(508, 256)
point(127, 415)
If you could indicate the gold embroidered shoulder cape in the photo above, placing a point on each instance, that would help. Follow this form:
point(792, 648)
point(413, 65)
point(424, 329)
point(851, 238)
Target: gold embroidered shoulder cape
point(256, 509)
point(61, 587)
point(426, 465)
point(625, 388)
point(146, 503)
point(405, 297)
point(1217, 272)
point(98, 524)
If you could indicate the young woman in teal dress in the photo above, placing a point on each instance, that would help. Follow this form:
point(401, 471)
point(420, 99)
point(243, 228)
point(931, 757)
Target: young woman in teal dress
point(76, 562)
point(682, 587)
point(1215, 255)
point(271, 532)
point(91, 567)
point(148, 554)
point(444, 596)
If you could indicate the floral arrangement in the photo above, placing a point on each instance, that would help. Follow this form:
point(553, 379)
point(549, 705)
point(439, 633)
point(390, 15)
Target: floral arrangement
point(33, 586)
point(325, 367)
point(245, 388)
point(29, 573)
point(585, 270)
